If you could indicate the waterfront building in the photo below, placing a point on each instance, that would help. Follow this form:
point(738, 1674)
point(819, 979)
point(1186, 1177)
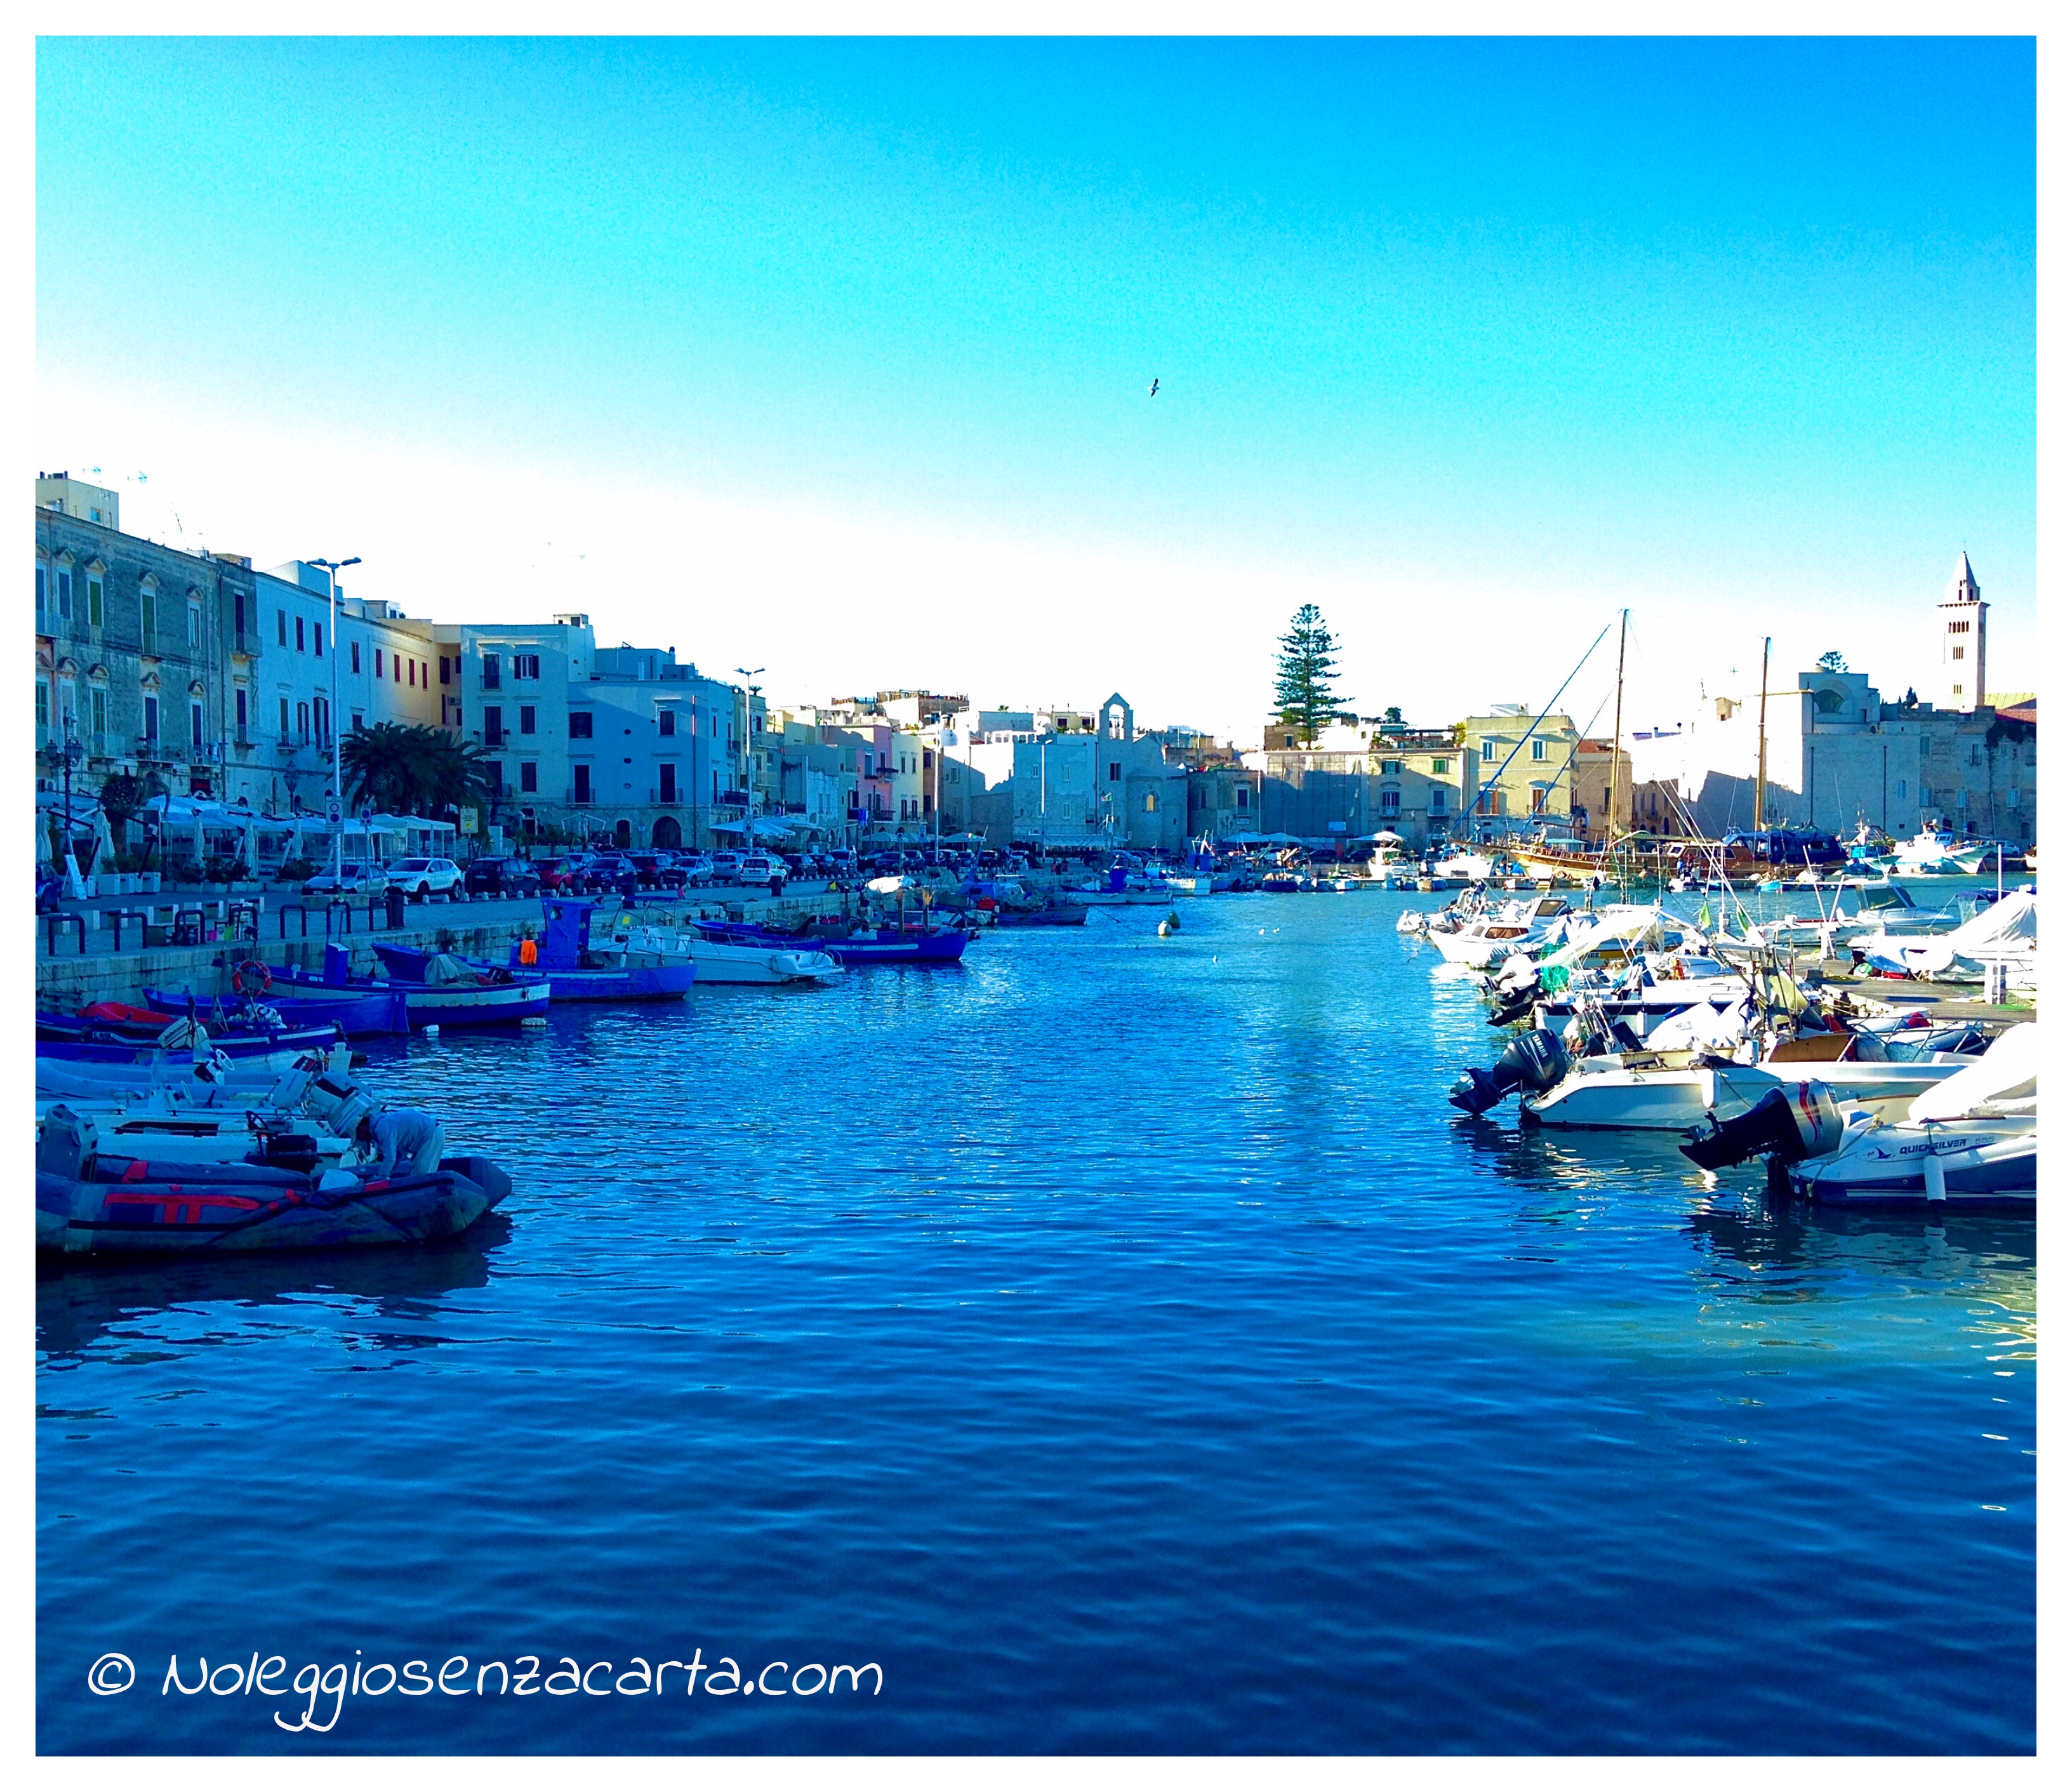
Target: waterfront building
point(1357, 780)
point(1837, 754)
point(624, 744)
point(132, 658)
point(1591, 780)
point(1074, 777)
point(1520, 767)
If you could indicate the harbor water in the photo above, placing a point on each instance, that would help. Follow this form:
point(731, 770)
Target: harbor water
point(1117, 1341)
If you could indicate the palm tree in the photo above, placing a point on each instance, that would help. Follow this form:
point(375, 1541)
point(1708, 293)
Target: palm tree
point(380, 766)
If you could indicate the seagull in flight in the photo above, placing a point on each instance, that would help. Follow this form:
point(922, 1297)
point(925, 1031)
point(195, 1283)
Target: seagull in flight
point(1155, 389)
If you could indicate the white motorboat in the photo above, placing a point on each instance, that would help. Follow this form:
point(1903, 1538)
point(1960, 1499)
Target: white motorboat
point(1501, 932)
point(1970, 1141)
point(2004, 935)
point(1674, 1091)
point(1463, 867)
point(1936, 852)
point(725, 962)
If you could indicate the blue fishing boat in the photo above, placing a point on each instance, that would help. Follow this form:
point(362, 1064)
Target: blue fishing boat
point(359, 1013)
point(576, 970)
point(115, 1033)
point(445, 992)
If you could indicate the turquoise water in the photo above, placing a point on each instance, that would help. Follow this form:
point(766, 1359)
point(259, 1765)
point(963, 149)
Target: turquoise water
point(1116, 1340)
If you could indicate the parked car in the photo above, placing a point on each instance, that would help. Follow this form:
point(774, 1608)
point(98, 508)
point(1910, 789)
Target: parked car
point(567, 875)
point(696, 868)
point(493, 876)
point(349, 881)
point(422, 879)
point(656, 870)
point(760, 868)
point(726, 867)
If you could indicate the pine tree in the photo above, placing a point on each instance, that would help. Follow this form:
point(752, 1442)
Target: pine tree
point(1302, 689)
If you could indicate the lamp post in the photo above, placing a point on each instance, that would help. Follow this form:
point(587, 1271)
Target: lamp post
point(747, 715)
point(332, 569)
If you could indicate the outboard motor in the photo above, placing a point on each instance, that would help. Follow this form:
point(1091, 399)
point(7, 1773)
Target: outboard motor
point(1520, 1007)
point(1535, 1061)
point(294, 1151)
point(1789, 1127)
point(67, 1145)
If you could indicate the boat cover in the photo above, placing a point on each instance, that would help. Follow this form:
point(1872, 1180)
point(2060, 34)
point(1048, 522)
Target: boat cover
point(2005, 1075)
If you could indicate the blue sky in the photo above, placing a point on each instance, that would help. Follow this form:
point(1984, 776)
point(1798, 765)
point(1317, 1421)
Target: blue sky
point(1474, 342)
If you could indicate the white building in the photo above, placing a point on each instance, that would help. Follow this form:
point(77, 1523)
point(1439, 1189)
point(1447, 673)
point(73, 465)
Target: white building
point(1077, 778)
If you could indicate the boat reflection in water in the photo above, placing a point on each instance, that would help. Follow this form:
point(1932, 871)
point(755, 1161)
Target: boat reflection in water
point(79, 1307)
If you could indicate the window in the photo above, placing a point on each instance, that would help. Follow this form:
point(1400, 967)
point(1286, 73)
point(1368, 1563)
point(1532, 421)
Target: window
point(377, 662)
point(528, 719)
point(492, 772)
point(284, 718)
point(524, 665)
point(528, 776)
point(1540, 799)
point(92, 602)
point(42, 579)
point(1960, 628)
point(320, 708)
point(281, 626)
point(355, 656)
point(1902, 790)
point(1392, 768)
point(445, 670)
point(492, 671)
point(396, 667)
point(665, 721)
point(358, 719)
point(317, 629)
point(1392, 802)
point(1538, 748)
point(493, 725)
point(582, 783)
point(1489, 750)
point(194, 628)
point(300, 645)
point(1115, 771)
point(147, 616)
point(302, 721)
point(42, 704)
point(1441, 768)
point(579, 725)
point(413, 674)
point(194, 724)
point(240, 709)
point(237, 598)
point(1244, 796)
point(1438, 800)
point(1150, 802)
point(98, 699)
point(1956, 653)
point(64, 594)
point(668, 782)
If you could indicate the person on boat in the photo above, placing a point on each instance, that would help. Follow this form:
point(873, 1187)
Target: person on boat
point(405, 1143)
point(528, 951)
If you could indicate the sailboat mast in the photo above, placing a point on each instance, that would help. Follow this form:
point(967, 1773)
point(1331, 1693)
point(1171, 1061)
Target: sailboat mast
point(1619, 714)
point(1762, 736)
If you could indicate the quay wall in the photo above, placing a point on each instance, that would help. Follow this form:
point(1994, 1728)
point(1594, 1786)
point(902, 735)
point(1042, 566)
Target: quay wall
point(66, 982)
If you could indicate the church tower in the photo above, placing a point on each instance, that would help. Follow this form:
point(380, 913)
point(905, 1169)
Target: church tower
point(1961, 628)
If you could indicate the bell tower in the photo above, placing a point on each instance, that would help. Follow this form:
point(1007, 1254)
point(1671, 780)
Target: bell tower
point(1961, 633)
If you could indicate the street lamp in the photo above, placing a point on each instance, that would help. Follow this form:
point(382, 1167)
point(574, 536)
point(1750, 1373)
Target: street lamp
point(332, 569)
point(747, 715)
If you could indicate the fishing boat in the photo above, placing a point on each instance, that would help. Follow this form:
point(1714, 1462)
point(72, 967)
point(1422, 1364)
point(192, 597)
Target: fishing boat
point(96, 1035)
point(367, 1012)
point(890, 945)
point(725, 960)
point(567, 964)
point(93, 1202)
point(447, 992)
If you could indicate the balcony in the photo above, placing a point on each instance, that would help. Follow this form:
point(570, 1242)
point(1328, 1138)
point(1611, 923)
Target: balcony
point(245, 644)
point(671, 797)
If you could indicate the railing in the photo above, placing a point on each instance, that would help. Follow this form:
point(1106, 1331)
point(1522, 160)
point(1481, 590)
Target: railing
point(296, 908)
point(53, 921)
point(245, 642)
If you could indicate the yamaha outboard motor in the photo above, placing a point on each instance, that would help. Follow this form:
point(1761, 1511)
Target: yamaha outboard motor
point(1787, 1126)
point(1535, 1061)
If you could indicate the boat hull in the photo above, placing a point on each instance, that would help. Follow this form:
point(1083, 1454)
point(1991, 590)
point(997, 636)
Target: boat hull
point(171, 1209)
point(1964, 1163)
point(361, 1013)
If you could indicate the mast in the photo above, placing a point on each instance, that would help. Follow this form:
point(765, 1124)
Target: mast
point(1762, 736)
point(1618, 712)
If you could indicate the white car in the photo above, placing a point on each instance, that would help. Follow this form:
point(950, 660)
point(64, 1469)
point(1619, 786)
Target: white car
point(759, 868)
point(352, 881)
point(425, 878)
point(726, 867)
